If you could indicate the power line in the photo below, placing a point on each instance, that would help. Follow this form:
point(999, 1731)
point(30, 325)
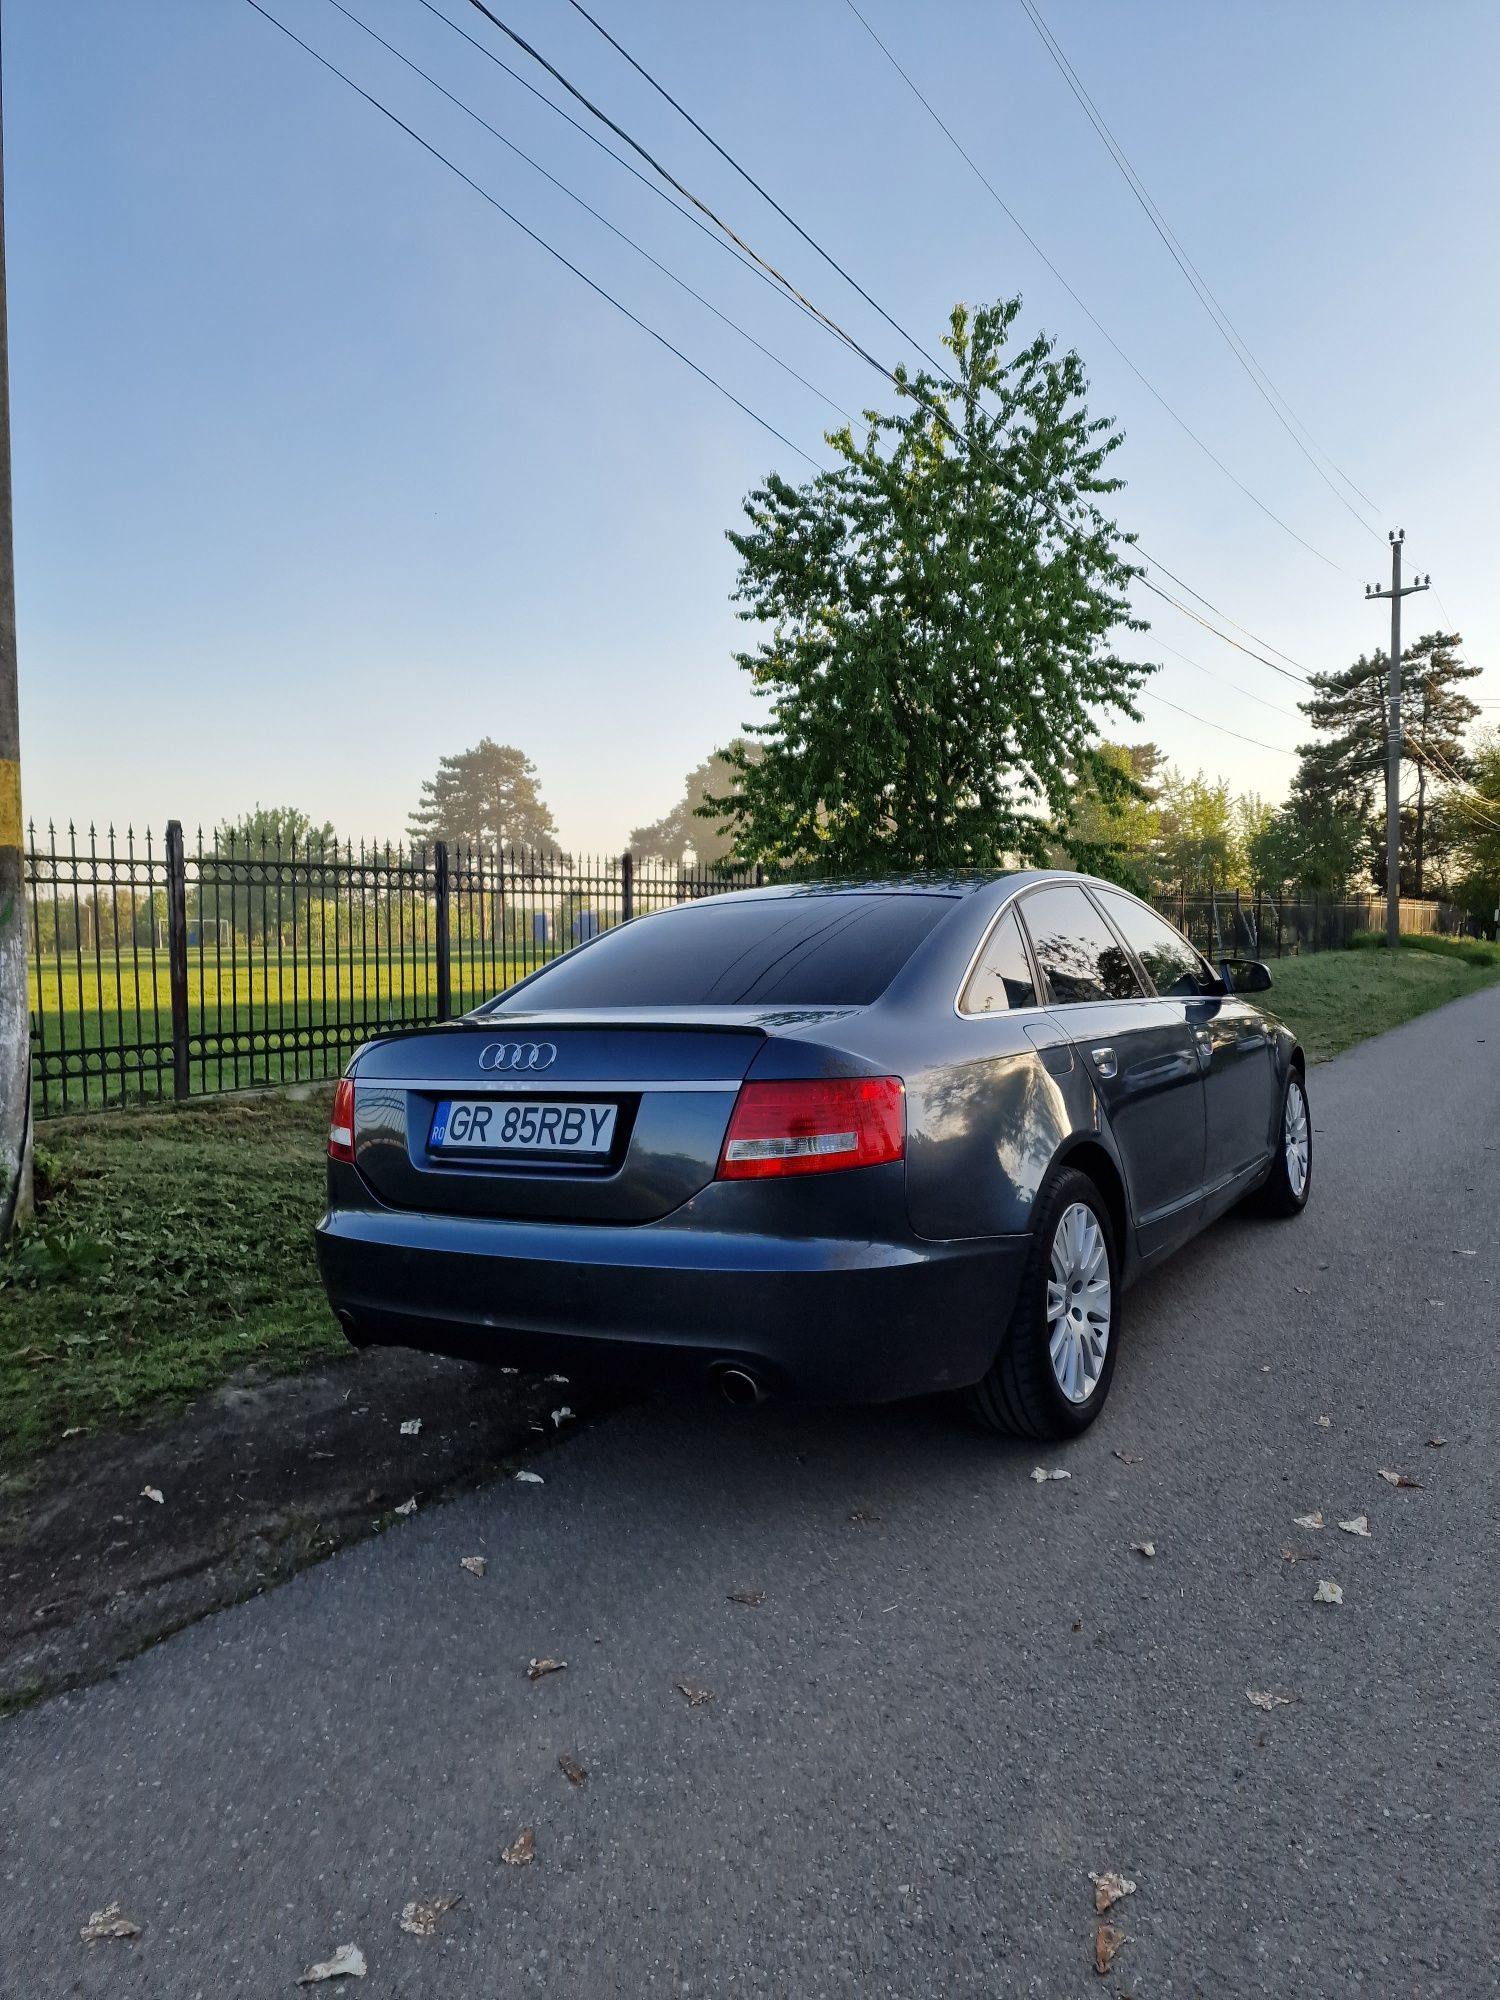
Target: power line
point(745, 175)
point(673, 182)
point(1240, 349)
point(610, 299)
point(1005, 208)
point(899, 381)
point(588, 209)
point(1151, 695)
point(1188, 612)
point(540, 241)
point(1446, 772)
point(1277, 707)
point(719, 240)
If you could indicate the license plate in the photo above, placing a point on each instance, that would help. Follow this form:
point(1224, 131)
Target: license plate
point(527, 1125)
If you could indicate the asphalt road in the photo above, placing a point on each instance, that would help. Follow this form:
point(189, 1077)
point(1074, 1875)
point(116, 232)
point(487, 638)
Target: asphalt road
point(962, 1692)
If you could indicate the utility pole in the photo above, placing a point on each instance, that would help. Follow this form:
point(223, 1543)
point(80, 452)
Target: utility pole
point(15, 1022)
point(1397, 591)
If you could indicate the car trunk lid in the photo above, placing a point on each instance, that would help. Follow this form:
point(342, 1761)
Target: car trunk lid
point(656, 1086)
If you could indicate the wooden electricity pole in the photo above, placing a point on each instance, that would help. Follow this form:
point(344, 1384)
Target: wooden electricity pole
point(15, 1024)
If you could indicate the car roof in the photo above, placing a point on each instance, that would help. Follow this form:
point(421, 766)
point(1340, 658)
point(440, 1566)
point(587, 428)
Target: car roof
point(930, 882)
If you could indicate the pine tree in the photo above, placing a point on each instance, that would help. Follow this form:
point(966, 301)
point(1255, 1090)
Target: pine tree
point(1345, 773)
point(484, 798)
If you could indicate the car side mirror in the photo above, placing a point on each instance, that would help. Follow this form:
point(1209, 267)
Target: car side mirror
point(1251, 976)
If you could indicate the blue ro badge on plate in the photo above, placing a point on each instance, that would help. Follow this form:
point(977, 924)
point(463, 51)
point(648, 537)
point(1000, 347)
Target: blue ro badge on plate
point(439, 1130)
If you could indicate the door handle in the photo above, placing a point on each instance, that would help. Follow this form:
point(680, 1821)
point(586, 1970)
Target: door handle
point(1105, 1062)
point(1205, 1043)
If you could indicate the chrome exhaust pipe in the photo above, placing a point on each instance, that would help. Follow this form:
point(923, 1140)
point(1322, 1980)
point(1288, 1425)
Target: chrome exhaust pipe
point(741, 1388)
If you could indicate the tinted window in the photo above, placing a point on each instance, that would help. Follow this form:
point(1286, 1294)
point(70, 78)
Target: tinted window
point(1077, 951)
point(1002, 977)
point(813, 950)
point(1172, 966)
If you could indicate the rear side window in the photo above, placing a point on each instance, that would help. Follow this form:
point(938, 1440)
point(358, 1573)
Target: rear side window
point(817, 949)
point(1080, 956)
point(1002, 978)
point(1172, 966)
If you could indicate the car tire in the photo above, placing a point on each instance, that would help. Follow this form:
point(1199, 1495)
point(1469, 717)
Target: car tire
point(1285, 1190)
point(1025, 1393)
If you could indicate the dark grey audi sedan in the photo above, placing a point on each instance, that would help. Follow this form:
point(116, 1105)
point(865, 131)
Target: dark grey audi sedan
point(856, 1142)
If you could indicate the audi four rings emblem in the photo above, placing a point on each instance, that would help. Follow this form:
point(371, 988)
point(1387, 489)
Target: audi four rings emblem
point(518, 1055)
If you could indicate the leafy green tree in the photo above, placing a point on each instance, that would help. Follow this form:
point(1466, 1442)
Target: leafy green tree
point(484, 798)
point(1113, 823)
point(1199, 846)
point(1476, 815)
point(258, 874)
point(693, 822)
point(938, 611)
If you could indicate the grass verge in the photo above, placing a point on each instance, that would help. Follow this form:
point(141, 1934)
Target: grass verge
point(170, 1248)
point(1336, 998)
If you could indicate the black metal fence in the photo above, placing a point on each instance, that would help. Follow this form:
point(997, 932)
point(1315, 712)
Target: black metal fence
point(1258, 925)
point(160, 970)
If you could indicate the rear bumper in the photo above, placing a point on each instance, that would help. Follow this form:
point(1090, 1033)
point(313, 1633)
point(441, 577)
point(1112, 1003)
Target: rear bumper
point(836, 1318)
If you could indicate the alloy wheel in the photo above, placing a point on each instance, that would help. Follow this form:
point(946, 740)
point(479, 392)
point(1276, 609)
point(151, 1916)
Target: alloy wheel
point(1079, 1302)
point(1294, 1138)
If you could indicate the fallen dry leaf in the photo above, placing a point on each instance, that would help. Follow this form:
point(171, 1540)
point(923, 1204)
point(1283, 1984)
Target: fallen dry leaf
point(536, 1668)
point(153, 1493)
point(1466, 1253)
point(1436, 1444)
point(1324, 1423)
point(1041, 1475)
point(754, 1598)
point(110, 1922)
point(412, 1427)
point(1267, 1701)
point(560, 1417)
point(697, 1697)
point(1305, 1290)
point(1109, 1888)
point(1327, 1593)
point(557, 1378)
point(348, 1962)
point(573, 1771)
point(421, 1919)
point(531, 1479)
point(1107, 1942)
point(473, 1564)
point(1437, 1302)
point(407, 1507)
point(522, 1850)
point(862, 1515)
point(1308, 1520)
point(1147, 1549)
point(73, 1431)
point(1127, 1458)
point(1397, 1478)
point(1359, 1525)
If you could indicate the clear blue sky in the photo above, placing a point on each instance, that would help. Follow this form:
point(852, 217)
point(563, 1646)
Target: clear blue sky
point(322, 469)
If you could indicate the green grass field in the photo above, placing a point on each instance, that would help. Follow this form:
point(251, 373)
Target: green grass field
point(106, 1032)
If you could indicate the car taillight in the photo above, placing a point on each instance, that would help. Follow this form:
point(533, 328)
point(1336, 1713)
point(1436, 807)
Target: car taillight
point(341, 1127)
point(814, 1125)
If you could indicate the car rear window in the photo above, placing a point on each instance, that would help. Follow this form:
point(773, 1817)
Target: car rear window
point(837, 949)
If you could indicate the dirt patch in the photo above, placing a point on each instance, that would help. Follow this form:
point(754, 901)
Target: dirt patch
point(257, 1479)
